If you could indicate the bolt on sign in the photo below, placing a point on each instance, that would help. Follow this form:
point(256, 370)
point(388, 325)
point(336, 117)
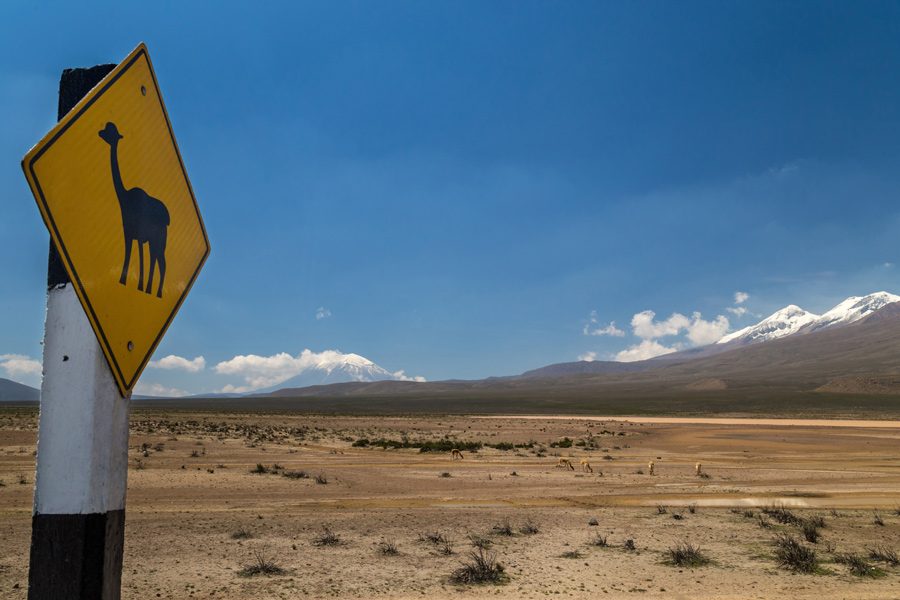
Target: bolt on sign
point(113, 191)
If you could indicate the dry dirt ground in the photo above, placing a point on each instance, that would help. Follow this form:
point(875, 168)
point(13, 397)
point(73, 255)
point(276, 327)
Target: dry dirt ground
point(198, 514)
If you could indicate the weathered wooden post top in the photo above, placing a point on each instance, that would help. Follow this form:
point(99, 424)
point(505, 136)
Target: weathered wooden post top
point(127, 244)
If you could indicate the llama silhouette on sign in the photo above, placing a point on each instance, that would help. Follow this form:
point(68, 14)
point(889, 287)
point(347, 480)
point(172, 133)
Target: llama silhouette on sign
point(145, 219)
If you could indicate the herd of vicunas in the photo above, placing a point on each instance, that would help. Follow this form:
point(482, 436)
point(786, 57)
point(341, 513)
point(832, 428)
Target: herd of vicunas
point(566, 463)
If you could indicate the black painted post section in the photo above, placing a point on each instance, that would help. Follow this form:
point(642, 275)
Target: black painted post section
point(74, 84)
point(75, 556)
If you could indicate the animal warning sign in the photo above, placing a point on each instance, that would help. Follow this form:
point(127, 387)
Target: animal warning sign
point(113, 191)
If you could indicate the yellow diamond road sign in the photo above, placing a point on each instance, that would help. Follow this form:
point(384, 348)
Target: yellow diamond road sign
point(113, 191)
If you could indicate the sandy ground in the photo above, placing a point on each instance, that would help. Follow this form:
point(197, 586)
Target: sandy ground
point(194, 490)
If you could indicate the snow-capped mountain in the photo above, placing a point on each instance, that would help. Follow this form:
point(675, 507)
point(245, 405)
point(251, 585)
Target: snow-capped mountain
point(794, 320)
point(333, 368)
point(787, 321)
point(850, 310)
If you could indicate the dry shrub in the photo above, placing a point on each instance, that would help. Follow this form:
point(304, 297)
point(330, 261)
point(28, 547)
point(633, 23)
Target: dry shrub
point(295, 474)
point(327, 538)
point(504, 528)
point(884, 554)
point(435, 537)
point(263, 564)
point(810, 531)
point(858, 565)
point(445, 547)
point(529, 528)
point(793, 555)
point(686, 555)
point(388, 548)
point(481, 568)
point(782, 514)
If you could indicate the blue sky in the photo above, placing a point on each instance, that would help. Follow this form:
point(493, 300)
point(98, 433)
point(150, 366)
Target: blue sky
point(467, 189)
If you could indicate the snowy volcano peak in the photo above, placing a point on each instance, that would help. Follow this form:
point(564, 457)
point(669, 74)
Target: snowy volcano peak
point(787, 321)
point(850, 310)
point(330, 366)
point(353, 367)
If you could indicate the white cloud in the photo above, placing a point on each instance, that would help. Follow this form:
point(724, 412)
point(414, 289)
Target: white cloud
point(399, 376)
point(697, 330)
point(230, 389)
point(608, 330)
point(322, 313)
point(646, 328)
point(177, 363)
point(706, 332)
point(156, 389)
point(588, 356)
point(740, 297)
point(740, 311)
point(263, 371)
point(17, 365)
point(644, 350)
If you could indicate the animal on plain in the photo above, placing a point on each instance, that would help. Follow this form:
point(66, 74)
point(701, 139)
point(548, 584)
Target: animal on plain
point(564, 462)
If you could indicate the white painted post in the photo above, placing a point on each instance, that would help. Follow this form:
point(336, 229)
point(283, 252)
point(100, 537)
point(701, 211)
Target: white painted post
point(78, 522)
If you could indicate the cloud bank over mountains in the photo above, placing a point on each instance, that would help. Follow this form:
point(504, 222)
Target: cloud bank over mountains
point(309, 368)
point(695, 331)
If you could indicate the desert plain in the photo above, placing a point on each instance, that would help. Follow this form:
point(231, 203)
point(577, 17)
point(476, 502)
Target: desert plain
point(375, 506)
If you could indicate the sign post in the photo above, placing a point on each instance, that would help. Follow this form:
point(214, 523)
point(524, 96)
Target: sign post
point(127, 243)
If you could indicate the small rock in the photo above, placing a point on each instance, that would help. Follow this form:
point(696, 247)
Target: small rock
point(593, 522)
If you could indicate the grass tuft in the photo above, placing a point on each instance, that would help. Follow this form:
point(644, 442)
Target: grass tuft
point(687, 555)
point(295, 474)
point(793, 555)
point(327, 538)
point(782, 514)
point(529, 528)
point(263, 564)
point(884, 554)
point(810, 531)
point(481, 568)
point(858, 565)
point(388, 548)
point(503, 528)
